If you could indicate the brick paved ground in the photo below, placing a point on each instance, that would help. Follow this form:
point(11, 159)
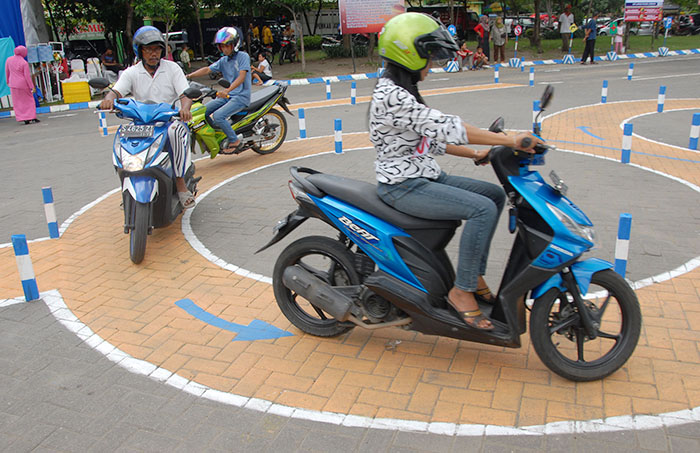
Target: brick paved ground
point(424, 379)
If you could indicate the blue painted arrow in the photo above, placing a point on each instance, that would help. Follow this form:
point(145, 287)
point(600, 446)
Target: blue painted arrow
point(256, 330)
point(586, 131)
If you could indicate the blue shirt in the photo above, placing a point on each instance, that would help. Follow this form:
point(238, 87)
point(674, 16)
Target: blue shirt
point(230, 67)
point(593, 27)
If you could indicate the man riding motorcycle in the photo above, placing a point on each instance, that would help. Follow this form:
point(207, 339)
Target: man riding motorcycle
point(235, 67)
point(158, 80)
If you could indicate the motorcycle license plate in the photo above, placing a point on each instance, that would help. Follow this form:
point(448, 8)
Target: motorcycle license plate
point(136, 131)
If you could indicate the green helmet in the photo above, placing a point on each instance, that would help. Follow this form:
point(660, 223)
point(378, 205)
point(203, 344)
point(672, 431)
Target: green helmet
point(411, 39)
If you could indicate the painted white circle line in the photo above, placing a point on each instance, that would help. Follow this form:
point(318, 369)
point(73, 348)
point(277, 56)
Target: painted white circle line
point(196, 244)
point(641, 137)
point(57, 307)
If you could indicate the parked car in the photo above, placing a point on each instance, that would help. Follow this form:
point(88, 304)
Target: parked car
point(634, 27)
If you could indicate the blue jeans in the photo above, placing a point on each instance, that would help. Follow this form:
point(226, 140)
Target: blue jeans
point(454, 198)
point(220, 110)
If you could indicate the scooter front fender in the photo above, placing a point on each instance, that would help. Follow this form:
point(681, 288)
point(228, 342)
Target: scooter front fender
point(142, 188)
point(583, 272)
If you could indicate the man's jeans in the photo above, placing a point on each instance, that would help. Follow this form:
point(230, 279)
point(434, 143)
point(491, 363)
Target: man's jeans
point(454, 198)
point(220, 110)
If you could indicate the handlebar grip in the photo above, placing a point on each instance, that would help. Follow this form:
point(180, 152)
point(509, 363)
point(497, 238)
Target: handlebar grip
point(484, 160)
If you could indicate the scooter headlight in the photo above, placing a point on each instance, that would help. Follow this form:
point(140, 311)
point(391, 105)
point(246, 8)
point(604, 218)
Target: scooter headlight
point(584, 231)
point(133, 162)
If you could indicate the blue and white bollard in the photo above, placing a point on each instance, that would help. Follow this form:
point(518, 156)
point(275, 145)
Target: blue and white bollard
point(495, 73)
point(622, 245)
point(302, 124)
point(24, 265)
point(515, 62)
point(50, 212)
point(452, 66)
point(103, 124)
point(328, 89)
point(522, 64)
point(626, 143)
point(353, 92)
point(532, 76)
point(604, 93)
point(568, 59)
point(612, 56)
point(662, 99)
point(535, 111)
point(694, 132)
point(663, 51)
point(338, 136)
point(630, 71)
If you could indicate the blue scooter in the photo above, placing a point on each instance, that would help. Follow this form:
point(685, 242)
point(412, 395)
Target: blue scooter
point(389, 269)
point(144, 165)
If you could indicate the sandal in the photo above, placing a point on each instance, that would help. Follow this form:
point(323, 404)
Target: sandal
point(484, 296)
point(232, 149)
point(186, 199)
point(472, 318)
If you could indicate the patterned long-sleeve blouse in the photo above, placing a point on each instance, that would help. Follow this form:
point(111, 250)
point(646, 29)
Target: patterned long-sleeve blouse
point(407, 134)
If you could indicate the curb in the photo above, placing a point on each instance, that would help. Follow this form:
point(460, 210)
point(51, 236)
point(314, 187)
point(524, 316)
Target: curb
point(366, 76)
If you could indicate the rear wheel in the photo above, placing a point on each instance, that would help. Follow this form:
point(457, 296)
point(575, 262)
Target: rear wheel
point(138, 234)
point(326, 259)
point(274, 132)
point(559, 337)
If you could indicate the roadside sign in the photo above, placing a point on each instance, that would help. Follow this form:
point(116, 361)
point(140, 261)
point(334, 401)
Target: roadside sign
point(452, 29)
point(518, 30)
point(613, 28)
point(667, 22)
point(573, 28)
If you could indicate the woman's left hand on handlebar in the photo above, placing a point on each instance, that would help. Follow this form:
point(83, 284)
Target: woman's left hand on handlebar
point(531, 143)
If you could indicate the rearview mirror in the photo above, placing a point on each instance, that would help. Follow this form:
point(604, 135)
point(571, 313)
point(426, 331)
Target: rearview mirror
point(192, 93)
point(546, 96)
point(224, 83)
point(497, 126)
point(99, 83)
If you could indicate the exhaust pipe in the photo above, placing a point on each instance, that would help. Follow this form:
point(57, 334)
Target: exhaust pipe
point(318, 292)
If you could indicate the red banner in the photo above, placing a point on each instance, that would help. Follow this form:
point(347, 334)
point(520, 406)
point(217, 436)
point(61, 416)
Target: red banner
point(367, 16)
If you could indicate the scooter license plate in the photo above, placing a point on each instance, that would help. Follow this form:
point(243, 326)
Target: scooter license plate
point(136, 131)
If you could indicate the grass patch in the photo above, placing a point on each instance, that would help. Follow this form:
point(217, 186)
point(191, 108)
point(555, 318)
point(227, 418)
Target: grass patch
point(299, 75)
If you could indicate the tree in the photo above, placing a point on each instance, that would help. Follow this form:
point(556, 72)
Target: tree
point(165, 10)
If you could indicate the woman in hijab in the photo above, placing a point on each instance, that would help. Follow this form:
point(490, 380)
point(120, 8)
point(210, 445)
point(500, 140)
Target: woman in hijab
point(19, 80)
point(482, 28)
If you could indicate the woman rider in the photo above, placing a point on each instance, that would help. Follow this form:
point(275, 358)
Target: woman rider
point(407, 134)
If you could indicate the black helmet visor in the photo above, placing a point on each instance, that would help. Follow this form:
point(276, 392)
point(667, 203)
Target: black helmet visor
point(438, 46)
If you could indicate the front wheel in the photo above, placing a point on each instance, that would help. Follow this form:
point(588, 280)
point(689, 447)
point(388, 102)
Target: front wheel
point(326, 259)
point(559, 338)
point(139, 233)
point(273, 134)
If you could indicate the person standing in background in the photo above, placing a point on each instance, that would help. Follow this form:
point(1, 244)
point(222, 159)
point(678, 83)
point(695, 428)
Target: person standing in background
point(499, 36)
point(591, 29)
point(482, 28)
point(19, 79)
point(566, 19)
point(619, 35)
point(185, 58)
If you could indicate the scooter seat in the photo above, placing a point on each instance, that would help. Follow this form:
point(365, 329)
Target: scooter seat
point(260, 97)
point(364, 196)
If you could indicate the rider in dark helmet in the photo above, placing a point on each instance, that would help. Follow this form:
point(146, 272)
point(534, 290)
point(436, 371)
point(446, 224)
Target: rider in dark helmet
point(407, 134)
point(158, 80)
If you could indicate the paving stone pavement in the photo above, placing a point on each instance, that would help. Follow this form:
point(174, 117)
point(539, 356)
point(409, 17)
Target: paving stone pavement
point(64, 396)
point(58, 394)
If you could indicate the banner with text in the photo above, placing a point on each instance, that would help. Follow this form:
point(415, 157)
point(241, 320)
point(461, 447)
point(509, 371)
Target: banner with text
point(367, 16)
point(640, 11)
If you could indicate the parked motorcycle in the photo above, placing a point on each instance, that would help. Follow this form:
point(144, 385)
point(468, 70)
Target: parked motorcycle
point(288, 51)
point(389, 269)
point(211, 59)
point(144, 166)
point(261, 127)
